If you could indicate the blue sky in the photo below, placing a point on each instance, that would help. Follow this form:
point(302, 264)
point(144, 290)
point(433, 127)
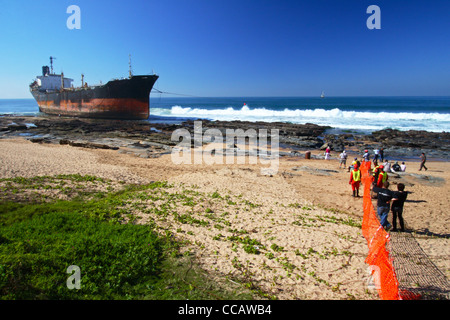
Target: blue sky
point(233, 48)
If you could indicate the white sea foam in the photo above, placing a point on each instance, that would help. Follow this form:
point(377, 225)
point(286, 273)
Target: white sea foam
point(336, 118)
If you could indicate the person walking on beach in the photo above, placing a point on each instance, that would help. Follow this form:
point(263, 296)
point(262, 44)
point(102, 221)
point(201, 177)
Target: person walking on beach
point(397, 207)
point(382, 154)
point(423, 159)
point(383, 204)
point(343, 159)
point(355, 180)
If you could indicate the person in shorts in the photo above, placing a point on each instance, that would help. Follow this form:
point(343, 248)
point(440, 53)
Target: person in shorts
point(343, 159)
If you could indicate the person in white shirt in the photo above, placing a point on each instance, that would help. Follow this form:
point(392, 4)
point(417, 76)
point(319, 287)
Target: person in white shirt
point(376, 154)
point(343, 159)
point(403, 166)
point(387, 166)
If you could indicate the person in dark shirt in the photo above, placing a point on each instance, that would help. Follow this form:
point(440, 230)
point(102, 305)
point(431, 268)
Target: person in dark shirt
point(397, 207)
point(423, 159)
point(384, 198)
point(396, 167)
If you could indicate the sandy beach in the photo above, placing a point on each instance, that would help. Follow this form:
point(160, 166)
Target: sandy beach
point(303, 218)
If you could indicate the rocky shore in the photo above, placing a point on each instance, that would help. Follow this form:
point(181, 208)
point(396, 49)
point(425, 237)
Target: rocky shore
point(147, 139)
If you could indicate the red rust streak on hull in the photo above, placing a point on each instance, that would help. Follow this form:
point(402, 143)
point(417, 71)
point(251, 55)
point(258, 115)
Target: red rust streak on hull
point(98, 108)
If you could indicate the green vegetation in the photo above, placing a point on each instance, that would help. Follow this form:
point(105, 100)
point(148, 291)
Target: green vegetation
point(41, 236)
point(144, 241)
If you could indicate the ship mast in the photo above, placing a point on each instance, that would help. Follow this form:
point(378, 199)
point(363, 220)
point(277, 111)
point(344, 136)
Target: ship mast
point(130, 72)
point(51, 64)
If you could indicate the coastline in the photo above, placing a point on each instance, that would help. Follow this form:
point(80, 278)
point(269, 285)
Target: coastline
point(398, 145)
point(291, 209)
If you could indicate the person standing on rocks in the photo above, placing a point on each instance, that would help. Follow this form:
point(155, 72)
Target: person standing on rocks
point(366, 156)
point(423, 159)
point(382, 154)
point(376, 154)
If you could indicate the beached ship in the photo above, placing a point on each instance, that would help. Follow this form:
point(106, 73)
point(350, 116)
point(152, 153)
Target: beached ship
point(117, 99)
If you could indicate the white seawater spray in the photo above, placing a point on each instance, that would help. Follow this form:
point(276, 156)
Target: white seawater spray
point(336, 118)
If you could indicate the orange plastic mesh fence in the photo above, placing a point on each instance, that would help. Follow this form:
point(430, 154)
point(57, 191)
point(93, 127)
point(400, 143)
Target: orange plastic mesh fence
point(378, 241)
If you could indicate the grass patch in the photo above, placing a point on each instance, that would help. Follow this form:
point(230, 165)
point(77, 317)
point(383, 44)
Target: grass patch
point(118, 260)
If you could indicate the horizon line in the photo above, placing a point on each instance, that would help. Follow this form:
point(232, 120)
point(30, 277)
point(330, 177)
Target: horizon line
point(284, 96)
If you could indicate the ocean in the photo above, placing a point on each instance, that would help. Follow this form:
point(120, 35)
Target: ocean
point(357, 114)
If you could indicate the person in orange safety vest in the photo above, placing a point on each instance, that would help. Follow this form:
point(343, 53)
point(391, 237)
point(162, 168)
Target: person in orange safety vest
point(355, 180)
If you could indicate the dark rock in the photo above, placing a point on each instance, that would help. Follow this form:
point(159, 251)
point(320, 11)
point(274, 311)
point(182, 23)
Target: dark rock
point(16, 127)
point(89, 145)
point(40, 140)
point(88, 132)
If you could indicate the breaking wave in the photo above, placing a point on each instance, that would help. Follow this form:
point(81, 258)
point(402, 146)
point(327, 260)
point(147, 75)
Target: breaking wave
point(336, 118)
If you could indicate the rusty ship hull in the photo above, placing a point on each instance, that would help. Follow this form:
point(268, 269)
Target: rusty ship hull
point(117, 99)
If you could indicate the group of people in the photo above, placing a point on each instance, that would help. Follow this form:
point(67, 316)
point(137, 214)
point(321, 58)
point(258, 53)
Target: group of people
point(387, 200)
point(384, 199)
point(387, 167)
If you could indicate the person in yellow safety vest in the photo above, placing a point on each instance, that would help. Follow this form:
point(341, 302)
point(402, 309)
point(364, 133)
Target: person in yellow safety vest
point(382, 177)
point(375, 173)
point(354, 163)
point(355, 180)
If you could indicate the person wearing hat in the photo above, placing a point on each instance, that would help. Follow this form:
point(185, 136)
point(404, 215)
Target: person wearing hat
point(352, 166)
point(355, 180)
point(366, 156)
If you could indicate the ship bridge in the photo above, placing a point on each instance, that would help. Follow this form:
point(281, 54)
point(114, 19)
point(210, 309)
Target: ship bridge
point(50, 81)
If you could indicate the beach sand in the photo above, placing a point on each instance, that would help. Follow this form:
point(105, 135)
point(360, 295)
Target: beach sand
point(303, 217)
